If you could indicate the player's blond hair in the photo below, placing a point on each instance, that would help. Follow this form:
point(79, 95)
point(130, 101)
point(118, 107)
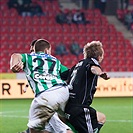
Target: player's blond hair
point(93, 50)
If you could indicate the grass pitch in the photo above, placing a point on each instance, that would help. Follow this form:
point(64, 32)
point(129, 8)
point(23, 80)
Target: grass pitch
point(118, 111)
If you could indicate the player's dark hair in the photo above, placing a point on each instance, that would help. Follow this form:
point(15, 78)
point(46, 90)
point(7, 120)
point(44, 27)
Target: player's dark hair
point(41, 45)
point(33, 42)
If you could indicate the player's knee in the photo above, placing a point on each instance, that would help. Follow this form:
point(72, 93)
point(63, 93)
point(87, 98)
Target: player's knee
point(101, 117)
point(69, 131)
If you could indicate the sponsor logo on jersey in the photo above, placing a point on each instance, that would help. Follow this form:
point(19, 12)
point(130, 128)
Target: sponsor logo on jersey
point(45, 76)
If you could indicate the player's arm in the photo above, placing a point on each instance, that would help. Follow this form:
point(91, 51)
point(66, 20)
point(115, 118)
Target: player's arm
point(64, 75)
point(97, 71)
point(16, 64)
point(64, 71)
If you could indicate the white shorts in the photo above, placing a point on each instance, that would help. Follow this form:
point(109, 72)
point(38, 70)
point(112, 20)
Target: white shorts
point(44, 106)
point(55, 125)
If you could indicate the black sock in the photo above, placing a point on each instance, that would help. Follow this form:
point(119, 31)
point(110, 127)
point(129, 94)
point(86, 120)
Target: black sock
point(99, 126)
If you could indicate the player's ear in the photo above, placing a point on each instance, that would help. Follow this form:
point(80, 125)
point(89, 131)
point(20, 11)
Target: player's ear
point(46, 51)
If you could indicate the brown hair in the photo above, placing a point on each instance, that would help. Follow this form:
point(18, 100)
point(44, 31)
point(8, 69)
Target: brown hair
point(33, 42)
point(93, 50)
point(41, 45)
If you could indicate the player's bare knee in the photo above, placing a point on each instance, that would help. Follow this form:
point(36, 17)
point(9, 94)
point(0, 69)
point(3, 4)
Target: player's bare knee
point(69, 131)
point(101, 117)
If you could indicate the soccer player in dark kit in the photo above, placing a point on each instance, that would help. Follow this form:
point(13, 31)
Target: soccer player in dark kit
point(83, 81)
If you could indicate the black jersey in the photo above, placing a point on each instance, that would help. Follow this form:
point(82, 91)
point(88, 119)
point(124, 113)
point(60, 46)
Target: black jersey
point(83, 82)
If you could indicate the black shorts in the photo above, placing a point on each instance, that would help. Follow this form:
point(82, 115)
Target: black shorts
point(83, 119)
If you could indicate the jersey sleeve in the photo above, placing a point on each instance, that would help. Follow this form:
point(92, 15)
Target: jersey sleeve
point(23, 58)
point(94, 62)
point(63, 68)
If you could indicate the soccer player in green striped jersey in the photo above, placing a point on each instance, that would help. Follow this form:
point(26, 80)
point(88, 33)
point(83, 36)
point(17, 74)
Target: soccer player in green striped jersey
point(55, 125)
point(43, 74)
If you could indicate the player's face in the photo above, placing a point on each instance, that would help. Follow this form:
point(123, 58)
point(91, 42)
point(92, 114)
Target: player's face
point(101, 57)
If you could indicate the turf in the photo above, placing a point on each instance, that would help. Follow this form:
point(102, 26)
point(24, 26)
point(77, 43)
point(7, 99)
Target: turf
point(118, 111)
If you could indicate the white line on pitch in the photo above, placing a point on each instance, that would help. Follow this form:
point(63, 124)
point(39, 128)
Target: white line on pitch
point(119, 120)
point(7, 112)
point(14, 116)
point(27, 117)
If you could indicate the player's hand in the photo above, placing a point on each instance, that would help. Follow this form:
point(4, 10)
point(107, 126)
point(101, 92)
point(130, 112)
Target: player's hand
point(104, 76)
point(17, 67)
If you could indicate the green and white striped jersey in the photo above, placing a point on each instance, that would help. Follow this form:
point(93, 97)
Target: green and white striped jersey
point(42, 71)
